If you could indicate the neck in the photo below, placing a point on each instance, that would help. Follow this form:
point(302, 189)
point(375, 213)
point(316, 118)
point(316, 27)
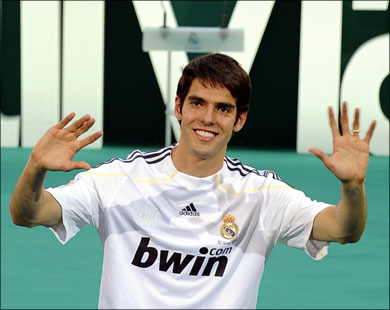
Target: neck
point(195, 166)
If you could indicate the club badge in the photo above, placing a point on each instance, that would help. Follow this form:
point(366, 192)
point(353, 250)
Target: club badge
point(229, 229)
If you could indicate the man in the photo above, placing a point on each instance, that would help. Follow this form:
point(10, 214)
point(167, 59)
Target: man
point(187, 226)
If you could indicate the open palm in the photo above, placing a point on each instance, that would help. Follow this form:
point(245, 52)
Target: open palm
point(57, 147)
point(349, 159)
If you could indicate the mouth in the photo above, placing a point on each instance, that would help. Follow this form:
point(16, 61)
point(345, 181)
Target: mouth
point(205, 134)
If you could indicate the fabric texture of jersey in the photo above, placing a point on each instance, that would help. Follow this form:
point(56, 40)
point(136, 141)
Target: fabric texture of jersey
point(171, 240)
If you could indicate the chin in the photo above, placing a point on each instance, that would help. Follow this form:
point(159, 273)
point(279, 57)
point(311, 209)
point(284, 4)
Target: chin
point(202, 154)
point(205, 152)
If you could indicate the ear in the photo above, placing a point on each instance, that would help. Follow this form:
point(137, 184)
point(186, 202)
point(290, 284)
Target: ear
point(177, 108)
point(240, 121)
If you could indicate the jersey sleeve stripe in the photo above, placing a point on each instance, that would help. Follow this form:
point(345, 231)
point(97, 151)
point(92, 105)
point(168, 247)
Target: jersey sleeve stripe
point(238, 166)
point(150, 158)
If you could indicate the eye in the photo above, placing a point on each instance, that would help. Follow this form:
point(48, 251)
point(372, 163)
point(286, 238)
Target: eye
point(224, 109)
point(196, 103)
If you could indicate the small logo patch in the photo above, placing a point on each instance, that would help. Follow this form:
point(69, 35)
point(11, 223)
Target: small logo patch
point(229, 229)
point(189, 210)
point(148, 214)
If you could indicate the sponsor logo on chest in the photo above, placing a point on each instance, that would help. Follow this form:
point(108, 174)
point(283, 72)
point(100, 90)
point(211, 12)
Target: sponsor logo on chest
point(147, 255)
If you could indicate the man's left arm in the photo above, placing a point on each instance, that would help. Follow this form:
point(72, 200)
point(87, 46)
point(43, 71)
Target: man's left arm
point(345, 222)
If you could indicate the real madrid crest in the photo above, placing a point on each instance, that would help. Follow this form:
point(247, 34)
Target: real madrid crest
point(229, 229)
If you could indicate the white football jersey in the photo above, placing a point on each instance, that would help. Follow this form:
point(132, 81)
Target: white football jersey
point(171, 240)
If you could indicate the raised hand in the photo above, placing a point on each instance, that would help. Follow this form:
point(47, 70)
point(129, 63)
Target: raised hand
point(57, 147)
point(349, 159)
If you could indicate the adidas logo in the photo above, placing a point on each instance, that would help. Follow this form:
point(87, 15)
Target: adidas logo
point(189, 210)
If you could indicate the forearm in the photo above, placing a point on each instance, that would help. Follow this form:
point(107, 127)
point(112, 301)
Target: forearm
point(351, 211)
point(28, 194)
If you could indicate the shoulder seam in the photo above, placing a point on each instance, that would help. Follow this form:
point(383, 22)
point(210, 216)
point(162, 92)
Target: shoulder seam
point(149, 157)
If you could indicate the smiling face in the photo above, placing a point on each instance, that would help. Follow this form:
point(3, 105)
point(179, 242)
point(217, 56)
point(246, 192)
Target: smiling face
point(208, 119)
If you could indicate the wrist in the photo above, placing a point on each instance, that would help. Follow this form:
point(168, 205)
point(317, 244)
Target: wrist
point(353, 187)
point(352, 183)
point(35, 163)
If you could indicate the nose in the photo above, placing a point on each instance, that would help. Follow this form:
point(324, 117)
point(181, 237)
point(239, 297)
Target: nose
point(209, 115)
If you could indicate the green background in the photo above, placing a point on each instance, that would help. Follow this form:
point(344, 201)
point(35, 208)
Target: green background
point(37, 272)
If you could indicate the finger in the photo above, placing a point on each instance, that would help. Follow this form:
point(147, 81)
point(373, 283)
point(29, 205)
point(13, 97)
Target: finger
point(332, 122)
point(90, 139)
point(355, 125)
point(77, 124)
point(370, 132)
point(62, 123)
point(84, 127)
point(344, 119)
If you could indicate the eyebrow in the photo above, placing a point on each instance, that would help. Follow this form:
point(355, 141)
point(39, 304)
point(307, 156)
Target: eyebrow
point(224, 104)
point(193, 97)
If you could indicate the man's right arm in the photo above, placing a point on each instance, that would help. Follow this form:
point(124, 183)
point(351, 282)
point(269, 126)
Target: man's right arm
point(31, 204)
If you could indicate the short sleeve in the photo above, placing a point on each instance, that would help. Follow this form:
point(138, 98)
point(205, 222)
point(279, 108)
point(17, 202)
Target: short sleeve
point(297, 223)
point(290, 213)
point(80, 206)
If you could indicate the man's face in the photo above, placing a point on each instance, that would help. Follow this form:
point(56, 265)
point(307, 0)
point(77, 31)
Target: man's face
point(207, 120)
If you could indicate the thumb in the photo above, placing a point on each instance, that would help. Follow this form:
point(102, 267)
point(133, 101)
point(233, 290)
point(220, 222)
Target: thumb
point(79, 165)
point(320, 154)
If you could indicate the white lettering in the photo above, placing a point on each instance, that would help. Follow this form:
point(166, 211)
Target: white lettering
point(82, 64)
point(83, 61)
point(360, 87)
point(40, 68)
point(370, 5)
point(149, 13)
point(319, 71)
point(253, 17)
point(10, 130)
